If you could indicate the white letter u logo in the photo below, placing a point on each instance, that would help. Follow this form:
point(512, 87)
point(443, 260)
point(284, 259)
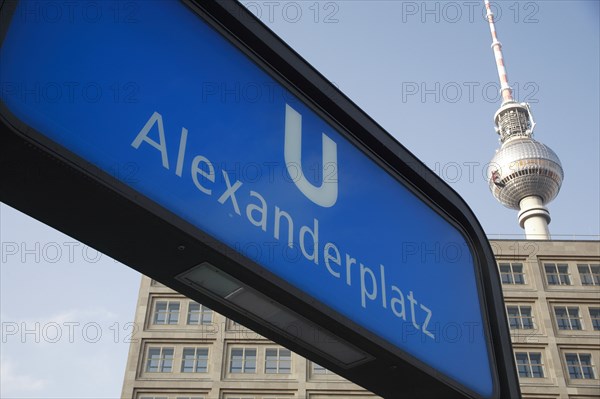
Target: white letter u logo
point(326, 194)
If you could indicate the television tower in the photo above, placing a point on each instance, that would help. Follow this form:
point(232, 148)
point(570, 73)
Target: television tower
point(524, 174)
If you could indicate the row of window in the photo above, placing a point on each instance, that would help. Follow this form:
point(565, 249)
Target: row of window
point(579, 365)
point(195, 360)
point(167, 312)
point(520, 317)
point(162, 359)
point(556, 273)
point(279, 361)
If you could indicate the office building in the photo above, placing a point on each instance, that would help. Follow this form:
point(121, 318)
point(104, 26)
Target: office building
point(182, 349)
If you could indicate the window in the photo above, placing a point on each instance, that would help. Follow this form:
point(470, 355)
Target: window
point(166, 312)
point(580, 366)
point(190, 397)
point(278, 361)
point(595, 316)
point(567, 318)
point(318, 369)
point(512, 273)
point(160, 360)
point(519, 317)
point(590, 274)
point(194, 360)
point(243, 360)
point(198, 314)
point(529, 364)
point(557, 273)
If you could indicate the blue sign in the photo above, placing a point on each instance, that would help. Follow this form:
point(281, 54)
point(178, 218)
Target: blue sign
point(153, 95)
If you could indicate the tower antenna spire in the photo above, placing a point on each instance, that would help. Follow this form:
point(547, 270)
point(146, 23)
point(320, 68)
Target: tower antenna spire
point(505, 88)
point(524, 174)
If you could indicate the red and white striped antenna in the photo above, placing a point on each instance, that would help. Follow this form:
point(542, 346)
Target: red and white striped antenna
point(505, 88)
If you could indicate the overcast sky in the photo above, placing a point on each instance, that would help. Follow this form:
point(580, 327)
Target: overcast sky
point(427, 75)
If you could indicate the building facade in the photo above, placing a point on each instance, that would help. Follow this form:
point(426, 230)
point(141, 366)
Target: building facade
point(183, 350)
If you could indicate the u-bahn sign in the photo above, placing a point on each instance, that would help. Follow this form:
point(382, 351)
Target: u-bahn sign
point(189, 142)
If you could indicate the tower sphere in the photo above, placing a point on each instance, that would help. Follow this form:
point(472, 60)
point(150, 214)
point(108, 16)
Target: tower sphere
point(523, 167)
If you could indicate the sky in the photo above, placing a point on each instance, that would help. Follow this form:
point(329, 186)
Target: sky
point(424, 71)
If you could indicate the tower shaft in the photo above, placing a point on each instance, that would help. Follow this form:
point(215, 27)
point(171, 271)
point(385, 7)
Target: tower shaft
point(534, 218)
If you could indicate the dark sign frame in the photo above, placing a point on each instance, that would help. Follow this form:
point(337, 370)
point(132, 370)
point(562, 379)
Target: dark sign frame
point(55, 186)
